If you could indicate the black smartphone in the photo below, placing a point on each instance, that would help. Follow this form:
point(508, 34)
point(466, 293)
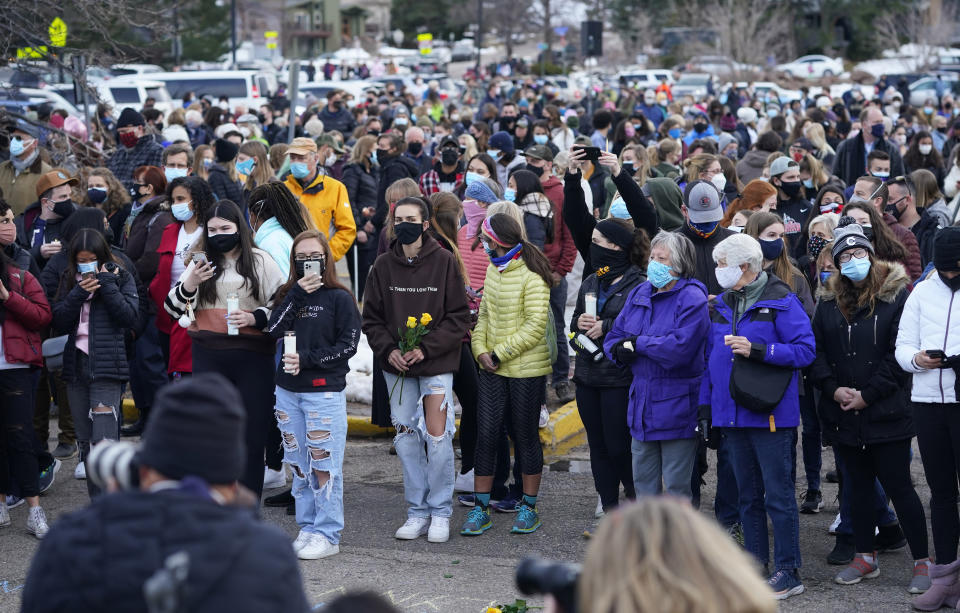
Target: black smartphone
point(936, 354)
point(589, 153)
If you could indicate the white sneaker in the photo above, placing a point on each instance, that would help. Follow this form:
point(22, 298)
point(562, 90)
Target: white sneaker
point(836, 524)
point(439, 529)
point(464, 482)
point(37, 522)
point(4, 515)
point(302, 539)
point(273, 479)
point(544, 416)
point(316, 547)
point(413, 528)
point(80, 472)
point(599, 512)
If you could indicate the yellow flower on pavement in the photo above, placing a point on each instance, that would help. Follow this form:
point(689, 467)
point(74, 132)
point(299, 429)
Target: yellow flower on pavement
point(411, 322)
point(490, 609)
point(425, 318)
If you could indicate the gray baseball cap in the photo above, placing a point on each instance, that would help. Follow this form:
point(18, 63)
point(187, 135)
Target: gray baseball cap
point(703, 202)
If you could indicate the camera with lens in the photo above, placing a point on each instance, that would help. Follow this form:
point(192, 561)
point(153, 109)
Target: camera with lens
point(559, 579)
point(112, 465)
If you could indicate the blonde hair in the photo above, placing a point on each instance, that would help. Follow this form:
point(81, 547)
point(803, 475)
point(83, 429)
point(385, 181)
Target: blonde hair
point(510, 209)
point(696, 164)
point(818, 138)
point(660, 555)
point(471, 145)
point(360, 154)
point(642, 165)
point(262, 170)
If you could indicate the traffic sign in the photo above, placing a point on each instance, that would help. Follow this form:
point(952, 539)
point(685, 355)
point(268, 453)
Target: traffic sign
point(271, 34)
point(26, 53)
point(58, 32)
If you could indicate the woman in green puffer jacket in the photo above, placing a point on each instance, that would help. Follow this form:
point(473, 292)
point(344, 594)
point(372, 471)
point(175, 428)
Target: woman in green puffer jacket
point(510, 343)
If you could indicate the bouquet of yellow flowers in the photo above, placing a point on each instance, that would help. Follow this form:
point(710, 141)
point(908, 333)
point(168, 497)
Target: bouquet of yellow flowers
point(409, 340)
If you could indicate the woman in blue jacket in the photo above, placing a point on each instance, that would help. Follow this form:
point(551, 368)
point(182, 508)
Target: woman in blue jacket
point(661, 334)
point(758, 319)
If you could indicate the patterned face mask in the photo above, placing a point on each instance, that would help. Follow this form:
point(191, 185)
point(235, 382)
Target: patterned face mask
point(815, 245)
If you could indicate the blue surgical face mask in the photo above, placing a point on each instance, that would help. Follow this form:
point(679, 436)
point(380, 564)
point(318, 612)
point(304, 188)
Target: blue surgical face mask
point(181, 211)
point(856, 269)
point(659, 274)
point(472, 177)
point(510, 194)
point(17, 146)
point(245, 167)
point(674, 132)
point(771, 113)
point(540, 139)
point(808, 183)
point(491, 252)
point(174, 173)
point(400, 121)
point(618, 209)
point(494, 153)
point(824, 276)
point(207, 163)
point(299, 170)
point(87, 267)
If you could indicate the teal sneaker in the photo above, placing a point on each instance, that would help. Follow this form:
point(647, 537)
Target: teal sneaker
point(478, 522)
point(527, 520)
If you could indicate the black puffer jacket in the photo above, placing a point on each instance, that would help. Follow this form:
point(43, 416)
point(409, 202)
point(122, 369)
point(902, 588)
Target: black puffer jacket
point(396, 168)
point(224, 188)
point(97, 559)
point(859, 353)
point(703, 248)
point(362, 188)
point(604, 373)
point(114, 310)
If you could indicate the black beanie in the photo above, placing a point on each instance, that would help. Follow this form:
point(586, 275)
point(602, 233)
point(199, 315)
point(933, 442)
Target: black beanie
point(197, 429)
point(946, 249)
point(130, 117)
point(224, 150)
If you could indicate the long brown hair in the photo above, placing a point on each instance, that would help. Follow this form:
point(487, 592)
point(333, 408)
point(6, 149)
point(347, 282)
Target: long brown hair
point(445, 221)
point(782, 267)
point(329, 270)
point(508, 230)
point(262, 171)
point(851, 298)
point(884, 241)
point(397, 191)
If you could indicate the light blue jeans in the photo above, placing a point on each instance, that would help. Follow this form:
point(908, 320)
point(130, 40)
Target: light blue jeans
point(313, 426)
point(427, 475)
point(663, 464)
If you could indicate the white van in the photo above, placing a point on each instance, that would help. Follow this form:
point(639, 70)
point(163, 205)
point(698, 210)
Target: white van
point(119, 94)
point(643, 78)
point(247, 87)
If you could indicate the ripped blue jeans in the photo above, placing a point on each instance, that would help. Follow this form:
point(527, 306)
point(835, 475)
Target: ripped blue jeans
point(427, 474)
point(313, 428)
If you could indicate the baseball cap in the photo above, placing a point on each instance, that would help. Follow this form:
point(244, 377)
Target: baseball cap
point(329, 141)
point(781, 165)
point(54, 178)
point(539, 152)
point(302, 146)
point(703, 202)
point(26, 127)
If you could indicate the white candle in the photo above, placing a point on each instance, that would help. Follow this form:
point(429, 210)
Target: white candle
point(233, 305)
point(590, 304)
point(289, 345)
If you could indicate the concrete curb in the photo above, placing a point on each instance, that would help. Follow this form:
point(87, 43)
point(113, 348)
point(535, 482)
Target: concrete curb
point(563, 433)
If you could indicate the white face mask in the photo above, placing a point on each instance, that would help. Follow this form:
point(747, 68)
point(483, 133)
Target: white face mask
point(926, 149)
point(331, 160)
point(727, 276)
point(719, 181)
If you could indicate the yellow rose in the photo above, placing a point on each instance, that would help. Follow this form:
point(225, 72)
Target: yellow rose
point(411, 322)
point(492, 610)
point(425, 318)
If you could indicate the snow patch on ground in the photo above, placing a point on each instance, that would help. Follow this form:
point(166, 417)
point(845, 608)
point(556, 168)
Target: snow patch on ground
point(360, 378)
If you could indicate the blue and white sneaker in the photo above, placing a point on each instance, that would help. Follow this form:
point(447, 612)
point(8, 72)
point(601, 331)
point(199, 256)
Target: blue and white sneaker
point(527, 520)
point(48, 474)
point(478, 522)
point(509, 504)
point(14, 501)
point(785, 583)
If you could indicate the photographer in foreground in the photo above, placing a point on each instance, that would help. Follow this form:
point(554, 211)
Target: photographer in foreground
point(193, 453)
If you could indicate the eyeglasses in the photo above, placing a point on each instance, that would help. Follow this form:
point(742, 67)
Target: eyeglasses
point(303, 257)
point(846, 256)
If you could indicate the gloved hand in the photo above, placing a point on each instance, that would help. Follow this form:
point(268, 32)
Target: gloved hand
point(703, 428)
point(625, 352)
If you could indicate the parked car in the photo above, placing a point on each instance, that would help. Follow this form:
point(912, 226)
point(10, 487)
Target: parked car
point(643, 78)
point(925, 89)
point(813, 66)
point(126, 70)
point(28, 96)
point(321, 89)
point(718, 65)
point(239, 86)
point(693, 84)
point(762, 88)
point(463, 51)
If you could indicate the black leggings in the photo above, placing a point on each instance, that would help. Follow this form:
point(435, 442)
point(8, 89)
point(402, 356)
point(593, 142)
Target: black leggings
point(246, 370)
point(18, 457)
point(523, 397)
point(938, 433)
point(466, 385)
point(890, 463)
point(603, 411)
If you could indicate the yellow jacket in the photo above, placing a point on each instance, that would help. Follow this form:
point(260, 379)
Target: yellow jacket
point(328, 203)
point(513, 321)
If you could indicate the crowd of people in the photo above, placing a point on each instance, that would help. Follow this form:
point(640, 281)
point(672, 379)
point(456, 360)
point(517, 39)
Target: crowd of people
point(744, 276)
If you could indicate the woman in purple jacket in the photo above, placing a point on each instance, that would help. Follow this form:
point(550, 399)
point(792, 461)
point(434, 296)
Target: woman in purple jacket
point(757, 317)
point(661, 335)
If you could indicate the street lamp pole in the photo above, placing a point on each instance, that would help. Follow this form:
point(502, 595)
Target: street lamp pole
point(233, 31)
point(478, 39)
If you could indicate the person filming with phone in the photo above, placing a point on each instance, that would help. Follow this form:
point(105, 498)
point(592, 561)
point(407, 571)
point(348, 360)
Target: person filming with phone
point(928, 347)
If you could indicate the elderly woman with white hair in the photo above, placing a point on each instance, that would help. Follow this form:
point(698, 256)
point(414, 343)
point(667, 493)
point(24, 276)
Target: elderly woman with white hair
point(760, 337)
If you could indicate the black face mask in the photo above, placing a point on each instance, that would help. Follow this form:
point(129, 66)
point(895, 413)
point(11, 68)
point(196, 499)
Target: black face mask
point(537, 170)
point(299, 264)
point(108, 234)
point(868, 232)
point(791, 188)
point(448, 157)
point(383, 156)
point(415, 148)
point(408, 232)
point(628, 167)
point(953, 284)
point(224, 242)
point(700, 127)
point(373, 132)
point(609, 264)
point(64, 208)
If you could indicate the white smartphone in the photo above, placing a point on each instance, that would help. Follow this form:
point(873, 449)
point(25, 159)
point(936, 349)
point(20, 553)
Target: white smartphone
point(311, 267)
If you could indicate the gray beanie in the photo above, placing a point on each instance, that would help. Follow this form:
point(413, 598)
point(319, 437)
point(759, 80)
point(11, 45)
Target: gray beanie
point(849, 235)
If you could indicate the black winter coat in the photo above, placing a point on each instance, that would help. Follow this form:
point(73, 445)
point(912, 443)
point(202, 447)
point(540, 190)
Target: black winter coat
point(224, 188)
point(114, 310)
point(851, 162)
point(703, 247)
point(859, 353)
point(97, 559)
point(362, 186)
point(604, 373)
point(394, 169)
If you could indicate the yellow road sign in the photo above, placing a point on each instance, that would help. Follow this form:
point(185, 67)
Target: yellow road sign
point(58, 32)
point(24, 53)
point(271, 34)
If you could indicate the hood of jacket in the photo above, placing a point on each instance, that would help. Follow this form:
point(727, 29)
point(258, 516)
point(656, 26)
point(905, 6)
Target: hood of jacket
point(667, 199)
point(755, 158)
point(895, 278)
point(402, 159)
point(429, 246)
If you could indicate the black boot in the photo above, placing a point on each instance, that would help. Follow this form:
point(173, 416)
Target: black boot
point(843, 551)
point(136, 428)
point(282, 499)
point(889, 538)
